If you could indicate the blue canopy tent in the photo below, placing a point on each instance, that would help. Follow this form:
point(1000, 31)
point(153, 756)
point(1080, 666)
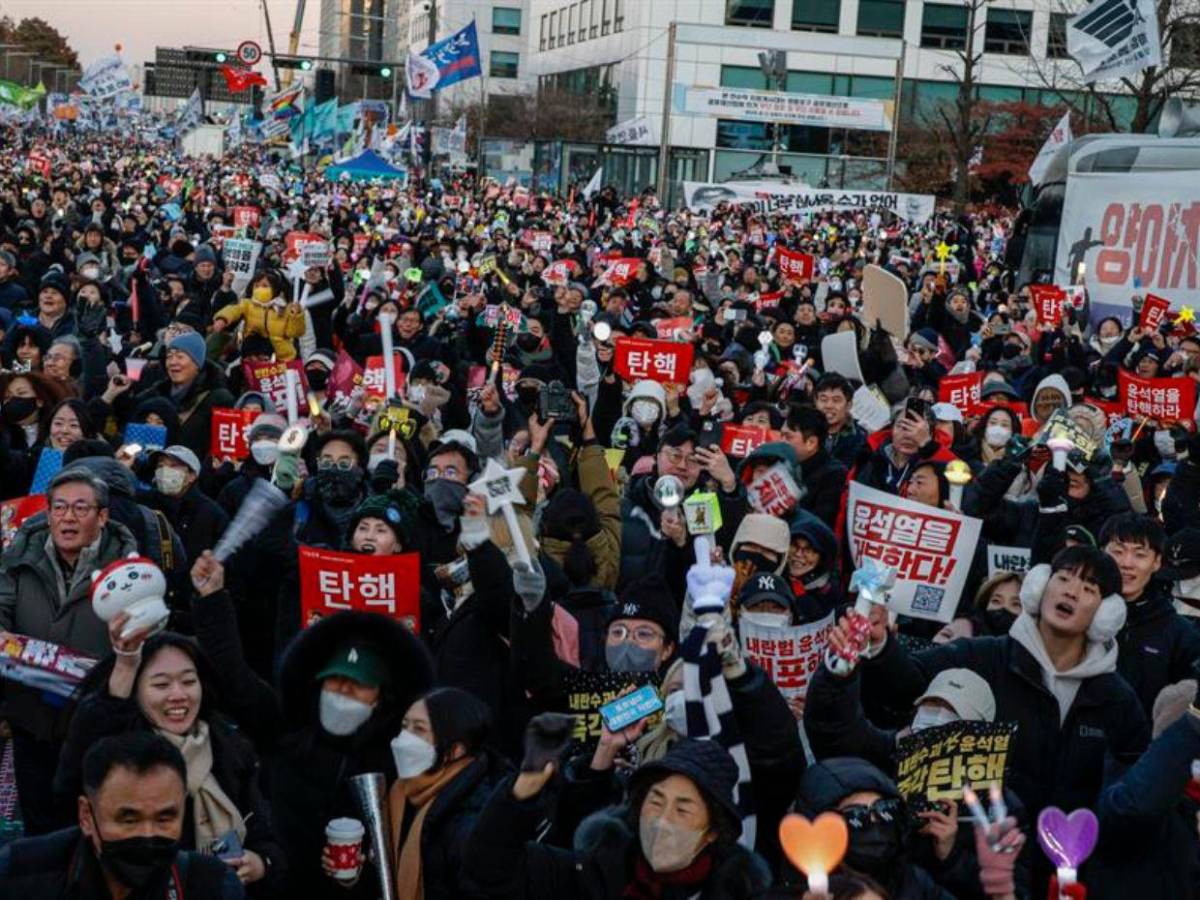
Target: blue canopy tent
point(365, 167)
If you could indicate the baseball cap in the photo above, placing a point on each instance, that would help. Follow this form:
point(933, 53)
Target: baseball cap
point(359, 662)
point(947, 412)
point(181, 454)
point(965, 692)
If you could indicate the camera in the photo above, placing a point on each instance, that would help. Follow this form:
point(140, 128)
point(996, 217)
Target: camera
point(554, 401)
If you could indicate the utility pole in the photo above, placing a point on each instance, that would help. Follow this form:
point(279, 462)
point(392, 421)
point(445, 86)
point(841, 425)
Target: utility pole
point(431, 103)
point(271, 42)
point(664, 149)
point(897, 101)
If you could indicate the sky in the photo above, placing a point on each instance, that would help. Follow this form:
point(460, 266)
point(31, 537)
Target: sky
point(93, 27)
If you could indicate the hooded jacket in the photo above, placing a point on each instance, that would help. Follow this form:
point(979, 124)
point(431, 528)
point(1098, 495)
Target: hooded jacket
point(281, 326)
point(1052, 383)
point(195, 406)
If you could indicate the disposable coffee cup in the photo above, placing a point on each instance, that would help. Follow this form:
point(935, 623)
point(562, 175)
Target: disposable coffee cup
point(344, 838)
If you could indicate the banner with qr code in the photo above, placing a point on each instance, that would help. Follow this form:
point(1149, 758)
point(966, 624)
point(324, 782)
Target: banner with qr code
point(586, 692)
point(931, 549)
point(789, 655)
point(939, 763)
point(331, 581)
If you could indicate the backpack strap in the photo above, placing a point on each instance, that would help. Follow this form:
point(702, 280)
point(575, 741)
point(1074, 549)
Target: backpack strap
point(165, 545)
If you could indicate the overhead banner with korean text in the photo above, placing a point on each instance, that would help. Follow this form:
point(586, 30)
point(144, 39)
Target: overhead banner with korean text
point(819, 110)
point(1128, 227)
point(791, 199)
point(931, 549)
point(331, 581)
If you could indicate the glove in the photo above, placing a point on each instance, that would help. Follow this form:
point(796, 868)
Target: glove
point(529, 581)
point(385, 476)
point(286, 472)
point(1018, 448)
point(709, 587)
point(996, 865)
point(1052, 489)
point(91, 318)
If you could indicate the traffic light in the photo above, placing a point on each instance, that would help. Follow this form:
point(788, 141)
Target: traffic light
point(325, 85)
point(220, 56)
point(293, 62)
point(207, 56)
point(378, 70)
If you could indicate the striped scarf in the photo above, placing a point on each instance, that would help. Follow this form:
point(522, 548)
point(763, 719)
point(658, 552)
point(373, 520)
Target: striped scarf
point(710, 717)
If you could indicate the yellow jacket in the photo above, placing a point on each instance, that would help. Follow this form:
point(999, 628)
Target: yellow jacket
point(281, 326)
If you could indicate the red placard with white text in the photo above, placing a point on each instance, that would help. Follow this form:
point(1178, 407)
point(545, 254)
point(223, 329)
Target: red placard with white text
point(295, 240)
point(14, 512)
point(621, 271)
point(1154, 309)
point(795, 266)
point(673, 329)
point(245, 216)
point(1165, 400)
point(666, 361)
point(963, 391)
point(742, 440)
point(230, 432)
point(374, 379)
point(270, 380)
point(768, 300)
point(331, 581)
point(1048, 302)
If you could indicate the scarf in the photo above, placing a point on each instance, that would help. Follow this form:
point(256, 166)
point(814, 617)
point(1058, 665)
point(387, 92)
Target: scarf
point(650, 885)
point(213, 813)
point(420, 792)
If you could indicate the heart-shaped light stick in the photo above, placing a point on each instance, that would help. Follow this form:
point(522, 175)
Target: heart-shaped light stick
point(815, 848)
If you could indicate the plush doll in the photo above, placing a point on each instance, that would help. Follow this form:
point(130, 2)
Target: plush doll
point(134, 585)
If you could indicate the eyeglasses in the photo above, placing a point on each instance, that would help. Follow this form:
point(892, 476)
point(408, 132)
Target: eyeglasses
point(679, 458)
point(325, 464)
point(860, 816)
point(642, 634)
point(433, 473)
point(80, 508)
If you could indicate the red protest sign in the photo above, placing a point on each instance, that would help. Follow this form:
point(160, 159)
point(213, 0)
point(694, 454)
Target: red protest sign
point(621, 271)
point(14, 512)
point(245, 216)
point(673, 329)
point(541, 241)
point(1166, 400)
point(768, 301)
point(374, 380)
point(271, 381)
point(666, 361)
point(557, 273)
point(331, 581)
point(294, 242)
point(360, 244)
point(345, 375)
point(1048, 301)
point(218, 234)
point(39, 162)
point(795, 266)
point(963, 392)
point(1154, 310)
point(742, 440)
point(230, 433)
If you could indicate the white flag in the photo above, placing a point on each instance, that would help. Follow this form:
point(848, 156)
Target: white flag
point(594, 184)
point(1059, 136)
point(192, 113)
point(422, 75)
point(1115, 38)
point(234, 132)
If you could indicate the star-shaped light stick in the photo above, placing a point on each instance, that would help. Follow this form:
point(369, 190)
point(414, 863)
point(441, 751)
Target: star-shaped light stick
point(1186, 314)
point(501, 488)
point(942, 251)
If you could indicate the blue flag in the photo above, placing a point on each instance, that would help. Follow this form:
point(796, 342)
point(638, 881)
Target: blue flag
point(456, 58)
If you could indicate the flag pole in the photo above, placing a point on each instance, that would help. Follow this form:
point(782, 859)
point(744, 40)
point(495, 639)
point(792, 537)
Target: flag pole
point(482, 118)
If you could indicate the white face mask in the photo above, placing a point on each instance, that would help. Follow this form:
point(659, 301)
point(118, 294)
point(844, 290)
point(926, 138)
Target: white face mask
point(341, 715)
point(766, 619)
point(265, 452)
point(413, 755)
point(416, 393)
point(932, 716)
point(675, 712)
point(997, 435)
point(644, 412)
point(666, 846)
point(1164, 443)
point(169, 481)
point(91, 273)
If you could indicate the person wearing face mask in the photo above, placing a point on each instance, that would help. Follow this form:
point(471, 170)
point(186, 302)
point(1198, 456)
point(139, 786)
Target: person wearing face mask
point(269, 312)
point(445, 774)
point(199, 520)
point(318, 365)
point(344, 684)
point(127, 843)
point(165, 684)
point(996, 606)
point(676, 836)
point(991, 436)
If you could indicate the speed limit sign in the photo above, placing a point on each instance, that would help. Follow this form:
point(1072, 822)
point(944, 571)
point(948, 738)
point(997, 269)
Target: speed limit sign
point(249, 53)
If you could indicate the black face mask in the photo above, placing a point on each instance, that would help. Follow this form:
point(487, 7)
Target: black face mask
point(18, 409)
point(999, 621)
point(758, 561)
point(1011, 351)
point(446, 497)
point(181, 248)
point(527, 396)
point(873, 850)
point(137, 861)
point(339, 487)
point(317, 379)
point(528, 343)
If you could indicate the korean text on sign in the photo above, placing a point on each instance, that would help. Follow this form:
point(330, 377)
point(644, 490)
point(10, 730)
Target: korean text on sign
point(939, 763)
point(790, 655)
point(639, 358)
point(332, 581)
point(1165, 400)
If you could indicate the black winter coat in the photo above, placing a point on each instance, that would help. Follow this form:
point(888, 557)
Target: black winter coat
point(1158, 646)
point(195, 407)
point(199, 520)
point(824, 481)
point(503, 861)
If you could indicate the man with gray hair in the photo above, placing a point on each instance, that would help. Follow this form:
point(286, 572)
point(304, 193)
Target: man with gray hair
point(45, 578)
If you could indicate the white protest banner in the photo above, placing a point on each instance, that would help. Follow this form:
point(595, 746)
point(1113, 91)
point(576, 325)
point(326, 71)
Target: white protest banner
point(1115, 38)
point(817, 110)
point(105, 78)
point(774, 491)
point(885, 299)
point(241, 256)
point(789, 655)
point(1058, 137)
point(769, 198)
point(316, 254)
point(631, 132)
point(840, 354)
point(449, 142)
point(271, 182)
point(1128, 226)
point(1008, 559)
point(931, 549)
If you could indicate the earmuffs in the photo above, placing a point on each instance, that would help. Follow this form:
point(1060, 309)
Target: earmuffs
point(1109, 618)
